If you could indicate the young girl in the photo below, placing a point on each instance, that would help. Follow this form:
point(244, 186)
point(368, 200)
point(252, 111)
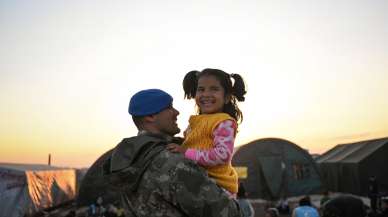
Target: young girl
point(209, 138)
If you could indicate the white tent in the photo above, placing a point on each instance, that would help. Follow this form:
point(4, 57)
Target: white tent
point(27, 188)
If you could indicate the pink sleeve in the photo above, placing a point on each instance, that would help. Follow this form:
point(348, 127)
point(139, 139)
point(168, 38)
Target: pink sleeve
point(223, 144)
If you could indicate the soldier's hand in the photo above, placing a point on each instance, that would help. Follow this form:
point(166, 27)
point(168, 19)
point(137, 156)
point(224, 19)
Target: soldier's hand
point(175, 148)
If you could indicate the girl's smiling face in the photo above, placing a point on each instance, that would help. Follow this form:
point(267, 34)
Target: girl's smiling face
point(210, 95)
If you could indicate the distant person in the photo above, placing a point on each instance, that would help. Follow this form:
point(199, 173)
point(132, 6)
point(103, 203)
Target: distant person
point(325, 198)
point(283, 206)
point(344, 206)
point(96, 209)
point(305, 209)
point(111, 211)
point(209, 138)
point(245, 205)
point(119, 210)
point(373, 192)
point(271, 212)
point(384, 207)
point(153, 181)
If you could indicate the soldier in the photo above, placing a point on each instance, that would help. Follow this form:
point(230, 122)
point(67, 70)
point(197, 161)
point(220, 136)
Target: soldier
point(384, 208)
point(344, 206)
point(373, 193)
point(155, 182)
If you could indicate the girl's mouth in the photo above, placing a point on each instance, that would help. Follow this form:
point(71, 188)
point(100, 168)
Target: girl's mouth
point(207, 102)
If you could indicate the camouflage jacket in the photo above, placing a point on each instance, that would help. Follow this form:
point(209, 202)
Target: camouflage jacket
point(155, 182)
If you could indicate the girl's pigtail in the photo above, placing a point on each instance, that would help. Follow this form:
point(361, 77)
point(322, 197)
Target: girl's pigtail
point(190, 84)
point(238, 87)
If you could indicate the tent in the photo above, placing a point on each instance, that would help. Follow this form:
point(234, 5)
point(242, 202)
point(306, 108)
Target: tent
point(347, 167)
point(26, 188)
point(276, 168)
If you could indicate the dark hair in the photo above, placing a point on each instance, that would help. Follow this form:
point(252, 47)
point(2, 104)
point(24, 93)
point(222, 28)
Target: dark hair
point(138, 121)
point(305, 201)
point(241, 193)
point(236, 90)
point(344, 206)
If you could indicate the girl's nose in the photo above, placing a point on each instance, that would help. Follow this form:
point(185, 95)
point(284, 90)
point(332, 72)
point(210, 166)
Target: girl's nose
point(205, 93)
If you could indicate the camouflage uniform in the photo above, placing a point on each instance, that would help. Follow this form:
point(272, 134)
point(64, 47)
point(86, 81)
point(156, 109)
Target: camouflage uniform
point(155, 182)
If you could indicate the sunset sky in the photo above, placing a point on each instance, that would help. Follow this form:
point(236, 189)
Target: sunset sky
point(316, 71)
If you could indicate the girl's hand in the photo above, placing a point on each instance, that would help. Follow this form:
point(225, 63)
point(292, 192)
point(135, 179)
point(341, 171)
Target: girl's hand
point(175, 148)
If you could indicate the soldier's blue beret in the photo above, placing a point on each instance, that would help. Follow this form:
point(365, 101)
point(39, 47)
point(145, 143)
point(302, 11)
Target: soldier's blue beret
point(148, 102)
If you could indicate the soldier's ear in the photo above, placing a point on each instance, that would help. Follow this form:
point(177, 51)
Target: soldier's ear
point(149, 118)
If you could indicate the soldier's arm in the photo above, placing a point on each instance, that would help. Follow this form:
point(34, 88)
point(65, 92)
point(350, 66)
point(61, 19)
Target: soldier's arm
point(196, 195)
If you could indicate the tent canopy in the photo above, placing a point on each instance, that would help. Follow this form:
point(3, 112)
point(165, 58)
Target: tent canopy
point(28, 188)
point(277, 168)
point(347, 167)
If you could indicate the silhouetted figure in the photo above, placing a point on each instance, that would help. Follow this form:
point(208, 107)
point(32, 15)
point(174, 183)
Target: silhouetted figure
point(305, 209)
point(325, 198)
point(344, 206)
point(271, 212)
point(96, 209)
point(384, 207)
point(373, 192)
point(283, 206)
point(245, 205)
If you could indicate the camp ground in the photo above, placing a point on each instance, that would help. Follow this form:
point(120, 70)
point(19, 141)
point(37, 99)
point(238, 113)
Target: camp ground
point(269, 168)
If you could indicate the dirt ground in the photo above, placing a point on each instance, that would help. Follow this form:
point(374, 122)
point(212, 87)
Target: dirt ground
point(258, 205)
